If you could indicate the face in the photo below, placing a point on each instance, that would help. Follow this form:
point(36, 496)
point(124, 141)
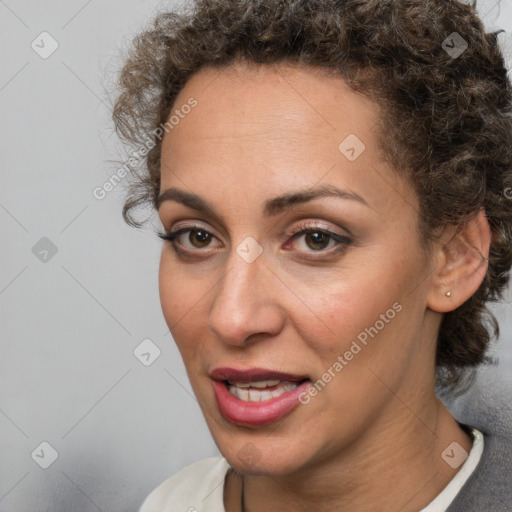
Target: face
point(297, 264)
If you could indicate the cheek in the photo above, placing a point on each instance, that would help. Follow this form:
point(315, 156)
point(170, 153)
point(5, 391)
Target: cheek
point(181, 301)
point(363, 316)
point(338, 313)
point(168, 284)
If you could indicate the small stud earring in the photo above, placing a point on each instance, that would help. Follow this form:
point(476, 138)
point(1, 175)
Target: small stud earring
point(448, 294)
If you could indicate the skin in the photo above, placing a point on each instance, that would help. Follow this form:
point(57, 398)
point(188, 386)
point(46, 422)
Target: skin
point(258, 132)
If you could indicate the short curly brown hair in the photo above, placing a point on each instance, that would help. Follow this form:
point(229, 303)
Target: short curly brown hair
point(447, 118)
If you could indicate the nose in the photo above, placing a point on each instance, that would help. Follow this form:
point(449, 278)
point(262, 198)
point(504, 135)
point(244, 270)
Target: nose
point(246, 302)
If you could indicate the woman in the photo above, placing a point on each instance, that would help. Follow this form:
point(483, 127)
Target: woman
point(331, 179)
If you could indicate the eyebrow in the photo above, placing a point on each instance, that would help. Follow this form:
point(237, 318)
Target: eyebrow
point(271, 207)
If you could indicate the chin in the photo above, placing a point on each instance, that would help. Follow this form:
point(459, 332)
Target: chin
point(262, 454)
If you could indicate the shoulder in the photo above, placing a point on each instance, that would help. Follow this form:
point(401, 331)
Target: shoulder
point(487, 408)
point(489, 488)
point(196, 488)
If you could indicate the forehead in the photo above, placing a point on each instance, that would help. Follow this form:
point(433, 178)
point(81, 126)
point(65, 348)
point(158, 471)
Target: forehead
point(296, 96)
point(279, 127)
point(287, 109)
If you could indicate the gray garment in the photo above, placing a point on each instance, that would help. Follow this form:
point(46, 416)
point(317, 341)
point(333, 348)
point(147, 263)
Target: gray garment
point(487, 406)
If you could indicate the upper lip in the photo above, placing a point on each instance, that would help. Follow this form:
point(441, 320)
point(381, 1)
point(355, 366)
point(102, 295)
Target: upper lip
point(253, 375)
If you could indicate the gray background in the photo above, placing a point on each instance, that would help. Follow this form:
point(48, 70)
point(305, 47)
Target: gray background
point(70, 321)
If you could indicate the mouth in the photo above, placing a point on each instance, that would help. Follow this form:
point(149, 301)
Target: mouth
point(259, 391)
point(256, 397)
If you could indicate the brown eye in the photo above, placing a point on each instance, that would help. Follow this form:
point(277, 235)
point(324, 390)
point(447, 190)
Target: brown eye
point(201, 236)
point(198, 238)
point(307, 239)
point(317, 240)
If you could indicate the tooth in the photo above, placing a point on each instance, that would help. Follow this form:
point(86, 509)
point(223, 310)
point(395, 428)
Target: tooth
point(267, 395)
point(254, 396)
point(264, 383)
point(261, 384)
point(241, 384)
point(258, 395)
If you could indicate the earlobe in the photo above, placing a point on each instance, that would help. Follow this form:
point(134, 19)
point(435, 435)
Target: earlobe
point(463, 260)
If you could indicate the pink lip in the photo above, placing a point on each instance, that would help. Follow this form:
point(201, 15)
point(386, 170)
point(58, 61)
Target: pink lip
point(252, 374)
point(251, 414)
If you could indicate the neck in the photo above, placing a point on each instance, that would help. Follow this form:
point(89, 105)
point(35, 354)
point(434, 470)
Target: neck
point(404, 456)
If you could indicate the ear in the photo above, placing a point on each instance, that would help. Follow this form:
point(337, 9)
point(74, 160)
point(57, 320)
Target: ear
point(462, 254)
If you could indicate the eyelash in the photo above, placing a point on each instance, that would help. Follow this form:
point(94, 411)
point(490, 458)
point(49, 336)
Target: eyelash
point(302, 229)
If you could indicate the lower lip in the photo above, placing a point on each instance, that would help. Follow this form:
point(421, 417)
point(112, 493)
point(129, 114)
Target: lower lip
point(255, 414)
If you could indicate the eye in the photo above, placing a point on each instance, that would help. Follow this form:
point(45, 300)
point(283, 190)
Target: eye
point(198, 237)
point(318, 240)
point(315, 239)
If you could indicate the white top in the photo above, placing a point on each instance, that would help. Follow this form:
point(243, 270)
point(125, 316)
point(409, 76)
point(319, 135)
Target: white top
point(447, 495)
point(200, 486)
